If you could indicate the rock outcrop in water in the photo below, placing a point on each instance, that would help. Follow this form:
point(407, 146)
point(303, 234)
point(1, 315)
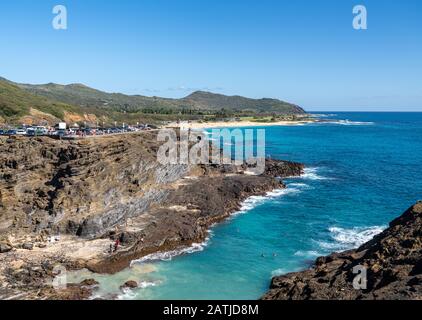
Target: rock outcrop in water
point(67, 202)
point(393, 260)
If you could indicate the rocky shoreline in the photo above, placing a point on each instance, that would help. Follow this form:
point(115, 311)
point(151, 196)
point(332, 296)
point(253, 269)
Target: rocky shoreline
point(63, 203)
point(392, 261)
point(66, 202)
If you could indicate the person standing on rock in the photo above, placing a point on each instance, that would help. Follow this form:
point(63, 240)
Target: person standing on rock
point(116, 244)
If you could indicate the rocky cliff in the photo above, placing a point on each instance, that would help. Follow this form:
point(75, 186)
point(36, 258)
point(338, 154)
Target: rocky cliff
point(392, 260)
point(67, 201)
point(78, 187)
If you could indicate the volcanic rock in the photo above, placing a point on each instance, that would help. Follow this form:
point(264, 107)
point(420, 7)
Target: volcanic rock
point(4, 247)
point(130, 284)
point(392, 261)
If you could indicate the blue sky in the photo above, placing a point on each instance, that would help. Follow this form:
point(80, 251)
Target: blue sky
point(301, 51)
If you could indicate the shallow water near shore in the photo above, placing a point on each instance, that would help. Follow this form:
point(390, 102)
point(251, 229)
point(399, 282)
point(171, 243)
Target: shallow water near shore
point(362, 172)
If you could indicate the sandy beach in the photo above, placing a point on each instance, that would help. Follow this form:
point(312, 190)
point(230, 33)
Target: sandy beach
point(235, 124)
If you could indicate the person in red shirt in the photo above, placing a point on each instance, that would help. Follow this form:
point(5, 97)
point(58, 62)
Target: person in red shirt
point(116, 244)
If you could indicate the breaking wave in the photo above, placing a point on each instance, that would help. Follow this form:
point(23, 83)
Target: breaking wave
point(350, 123)
point(279, 272)
point(345, 239)
point(169, 255)
point(323, 115)
point(301, 186)
point(312, 174)
point(308, 254)
point(254, 201)
point(130, 294)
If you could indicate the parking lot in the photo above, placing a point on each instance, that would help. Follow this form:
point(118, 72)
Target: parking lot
point(32, 131)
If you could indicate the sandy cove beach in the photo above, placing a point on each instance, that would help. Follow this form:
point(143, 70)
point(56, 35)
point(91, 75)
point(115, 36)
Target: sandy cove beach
point(236, 124)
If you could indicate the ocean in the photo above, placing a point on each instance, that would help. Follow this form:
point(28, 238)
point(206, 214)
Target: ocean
point(362, 172)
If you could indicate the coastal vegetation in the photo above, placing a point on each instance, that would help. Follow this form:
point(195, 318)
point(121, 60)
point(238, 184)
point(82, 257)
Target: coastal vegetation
point(79, 103)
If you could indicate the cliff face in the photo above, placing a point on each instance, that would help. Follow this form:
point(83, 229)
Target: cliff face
point(393, 261)
point(96, 190)
point(79, 187)
point(186, 215)
point(85, 187)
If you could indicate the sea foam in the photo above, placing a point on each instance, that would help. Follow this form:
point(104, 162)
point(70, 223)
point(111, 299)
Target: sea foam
point(300, 186)
point(130, 294)
point(345, 239)
point(254, 201)
point(308, 254)
point(312, 174)
point(169, 255)
point(350, 123)
point(279, 272)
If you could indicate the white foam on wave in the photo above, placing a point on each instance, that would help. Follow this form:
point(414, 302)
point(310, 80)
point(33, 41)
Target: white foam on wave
point(250, 203)
point(254, 201)
point(130, 294)
point(169, 255)
point(345, 239)
point(309, 253)
point(279, 272)
point(351, 123)
point(312, 174)
point(355, 236)
point(323, 115)
point(126, 295)
point(282, 192)
point(300, 186)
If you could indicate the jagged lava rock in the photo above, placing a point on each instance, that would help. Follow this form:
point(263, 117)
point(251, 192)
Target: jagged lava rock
point(393, 260)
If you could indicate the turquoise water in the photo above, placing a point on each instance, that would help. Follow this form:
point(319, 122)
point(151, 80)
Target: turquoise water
point(361, 174)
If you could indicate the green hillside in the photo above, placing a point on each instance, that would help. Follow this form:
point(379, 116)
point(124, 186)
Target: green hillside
point(81, 95)
point(16, 103)
point(84, 96)
point(17, 106)
point(82, 103)
point(212, 101)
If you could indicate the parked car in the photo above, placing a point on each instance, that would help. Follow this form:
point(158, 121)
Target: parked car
point(2, 132)
point(87, 131)
point(30, 131)
point(41, 131)
point(11, 132)
point(21, 132)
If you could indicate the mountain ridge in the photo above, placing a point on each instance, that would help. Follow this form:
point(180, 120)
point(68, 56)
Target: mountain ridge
point(18, 98)
point(194, 100)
